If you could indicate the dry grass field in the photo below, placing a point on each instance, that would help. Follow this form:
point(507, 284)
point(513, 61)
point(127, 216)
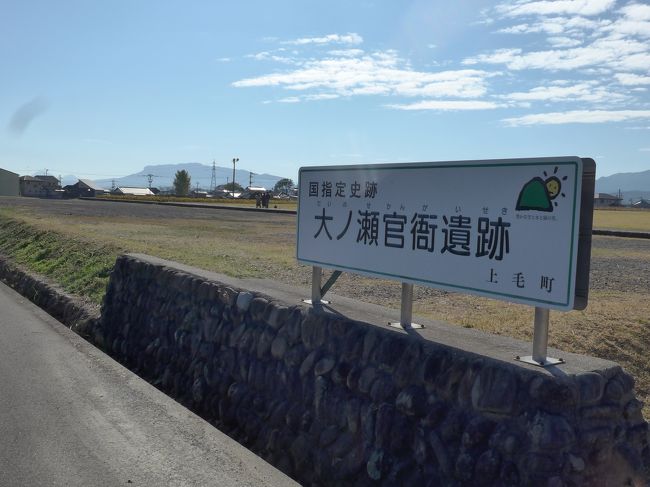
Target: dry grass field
point(622, 219)
point(615, 325)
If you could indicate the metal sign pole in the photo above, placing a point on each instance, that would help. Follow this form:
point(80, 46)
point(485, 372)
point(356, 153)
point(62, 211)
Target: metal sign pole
point(316, 278)
point(406, 311)
point(540, 341)
point(317, 292)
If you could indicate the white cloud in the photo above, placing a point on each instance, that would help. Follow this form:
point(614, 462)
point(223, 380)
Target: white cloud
point(298, 99)
point(558, 26)
point(599, 47)
point(350, 38)
point(269, 56)
point(632, 79)
point(637, 11)
point(578, 116)
point(381, 73)
point(555, 7)
point(564, 42)
point(607, 52)
point(290, 99)
point(447, 105)
point(588, 91)
point(346, 52)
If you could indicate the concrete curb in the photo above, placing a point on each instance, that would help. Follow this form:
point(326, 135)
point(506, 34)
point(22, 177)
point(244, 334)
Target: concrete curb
point(619, 233)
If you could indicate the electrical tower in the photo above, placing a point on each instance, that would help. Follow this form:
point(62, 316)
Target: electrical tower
point(213, 181)
point(149, 178)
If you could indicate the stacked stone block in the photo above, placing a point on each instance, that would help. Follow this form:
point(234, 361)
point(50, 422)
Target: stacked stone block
point(331, 401)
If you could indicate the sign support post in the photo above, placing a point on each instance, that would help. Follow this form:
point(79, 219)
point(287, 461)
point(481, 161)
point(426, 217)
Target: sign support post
point(540, 341)
point(317, 292)
point(406, 310)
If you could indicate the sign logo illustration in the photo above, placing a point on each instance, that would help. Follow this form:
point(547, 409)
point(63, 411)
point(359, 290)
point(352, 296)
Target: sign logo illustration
point(538, 194)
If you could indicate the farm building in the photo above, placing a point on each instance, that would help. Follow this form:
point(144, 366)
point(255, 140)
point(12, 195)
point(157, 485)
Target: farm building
point(602, 200)
point(40, 186)
point(83, 187)
point(9, 183)
point(123, 190)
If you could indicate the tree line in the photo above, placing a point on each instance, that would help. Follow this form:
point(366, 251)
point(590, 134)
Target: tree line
point(183, 183)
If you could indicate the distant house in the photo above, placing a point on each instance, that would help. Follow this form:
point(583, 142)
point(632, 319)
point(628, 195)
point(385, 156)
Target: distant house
point(40, 187)
point(83, 187)
point(9, 183)
point(123, 190)
point(221, 192)
point(251, 191)
point(641, 204)
point(603, 200)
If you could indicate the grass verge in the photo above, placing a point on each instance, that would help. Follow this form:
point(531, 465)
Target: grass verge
point(79, 267)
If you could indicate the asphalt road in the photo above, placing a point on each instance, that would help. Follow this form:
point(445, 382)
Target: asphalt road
point(70, 415)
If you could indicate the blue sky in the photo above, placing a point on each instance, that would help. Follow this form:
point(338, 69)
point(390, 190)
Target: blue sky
point(101, 89)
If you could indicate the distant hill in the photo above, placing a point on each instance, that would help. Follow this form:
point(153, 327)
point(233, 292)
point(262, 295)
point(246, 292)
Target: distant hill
point(633, 185)
point(625, 181)
point(163, 176)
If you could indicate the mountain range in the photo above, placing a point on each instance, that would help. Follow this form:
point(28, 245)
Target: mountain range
point(632, 185)
point(162, 176)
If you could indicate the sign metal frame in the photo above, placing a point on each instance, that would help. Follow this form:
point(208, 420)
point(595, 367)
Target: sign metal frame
point(580, 252)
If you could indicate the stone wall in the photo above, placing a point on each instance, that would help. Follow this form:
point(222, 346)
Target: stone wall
point(333, 401)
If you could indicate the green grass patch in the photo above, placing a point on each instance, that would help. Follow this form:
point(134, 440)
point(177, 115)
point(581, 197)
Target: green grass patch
point(79, 267)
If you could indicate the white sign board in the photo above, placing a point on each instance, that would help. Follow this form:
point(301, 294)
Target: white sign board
point(502, 229)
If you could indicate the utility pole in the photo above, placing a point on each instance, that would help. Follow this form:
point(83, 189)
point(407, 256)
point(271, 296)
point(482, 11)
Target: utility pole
point(235, 160)
point(150, 178)
point(113, 185)
point(213, 181)
point(250, 178)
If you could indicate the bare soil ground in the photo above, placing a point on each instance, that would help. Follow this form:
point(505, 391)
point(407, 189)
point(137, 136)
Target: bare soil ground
point(618, 264)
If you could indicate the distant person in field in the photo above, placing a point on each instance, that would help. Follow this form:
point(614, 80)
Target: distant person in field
point(258, 200)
